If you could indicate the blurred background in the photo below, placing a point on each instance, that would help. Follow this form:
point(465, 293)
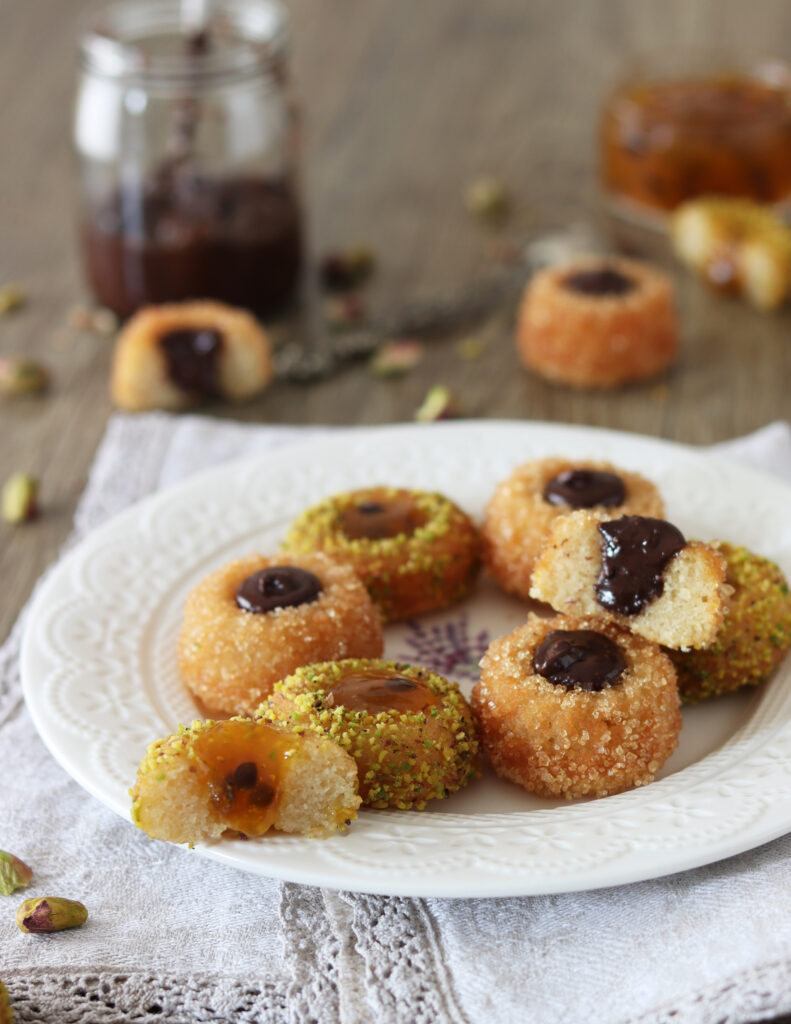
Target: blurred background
point(402, 106)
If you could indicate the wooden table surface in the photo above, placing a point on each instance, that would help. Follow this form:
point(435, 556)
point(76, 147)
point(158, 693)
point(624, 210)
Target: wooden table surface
point(404, 104)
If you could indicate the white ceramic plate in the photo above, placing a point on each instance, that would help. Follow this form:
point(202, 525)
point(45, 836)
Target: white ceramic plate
point(100, 678)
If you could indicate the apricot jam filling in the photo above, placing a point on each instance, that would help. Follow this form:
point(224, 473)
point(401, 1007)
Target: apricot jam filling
point(380, 515)
point(376, 690)
point(243, 765)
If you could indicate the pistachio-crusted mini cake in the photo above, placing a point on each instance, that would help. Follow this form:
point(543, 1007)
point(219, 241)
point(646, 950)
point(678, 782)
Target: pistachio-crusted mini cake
point(410, 731)
point(597, 322)
point(637, 571)
point(523, 508)
point(243, 777)
point(172, 356)
point(576, 707)
point(754, 637)
point(256, 620)
point(415, 551)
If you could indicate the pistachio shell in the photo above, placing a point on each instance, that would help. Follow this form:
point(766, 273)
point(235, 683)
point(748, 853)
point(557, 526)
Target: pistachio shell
point(14, 873)
point(19, 498)
point(49, 914)
point(6, 1013)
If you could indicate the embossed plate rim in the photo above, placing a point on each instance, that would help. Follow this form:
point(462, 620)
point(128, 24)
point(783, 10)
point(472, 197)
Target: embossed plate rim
point(630, 837)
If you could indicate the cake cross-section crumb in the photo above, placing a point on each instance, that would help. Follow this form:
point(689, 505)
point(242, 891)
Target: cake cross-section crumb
point(243, 777)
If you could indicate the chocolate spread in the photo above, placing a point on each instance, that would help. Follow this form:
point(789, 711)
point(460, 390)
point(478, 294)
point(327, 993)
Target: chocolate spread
point(279, 586)
point(579, 658)
point(584, 488)
point(191, 357)
point(635, 553)
point(599, 283)
point(183, 236)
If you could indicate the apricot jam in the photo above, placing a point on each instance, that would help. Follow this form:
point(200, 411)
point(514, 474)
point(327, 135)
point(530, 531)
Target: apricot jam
point(375, 690)
point(665, 141)
point(381, 514)
point(244, 764)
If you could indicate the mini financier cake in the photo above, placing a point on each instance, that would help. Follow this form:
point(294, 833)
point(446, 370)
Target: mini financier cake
point(523, 508)
point(172, 356)
point(256, 620)
point(415, 551)
point(576, 707)
point(245, 777)
point(410, 731)
point(637, 571)
point(597, 322)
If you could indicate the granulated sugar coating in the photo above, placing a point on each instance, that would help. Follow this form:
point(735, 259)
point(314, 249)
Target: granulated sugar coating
point(405, 754)
point(572, 742)
point(519, 518)
point(230, 658)
point(418, 552)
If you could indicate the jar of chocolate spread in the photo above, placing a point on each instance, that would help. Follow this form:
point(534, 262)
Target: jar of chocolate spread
point(186, 137)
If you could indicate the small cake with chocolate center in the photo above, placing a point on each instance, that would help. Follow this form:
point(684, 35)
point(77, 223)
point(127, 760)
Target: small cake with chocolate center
point(637, 571)
point(256, 620)
point(524, 507)
point(576, 707)
point(598, 322)
point(410, 731)
point(415, 551)
point(173, 356)
point(242, 777)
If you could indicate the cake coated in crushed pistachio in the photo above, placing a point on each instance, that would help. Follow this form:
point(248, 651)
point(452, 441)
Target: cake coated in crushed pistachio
point(754, 637)
point(432, 566)
point(403, 758)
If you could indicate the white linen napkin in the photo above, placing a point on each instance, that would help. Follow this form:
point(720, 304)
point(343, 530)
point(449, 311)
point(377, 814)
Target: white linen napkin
point(178, 939)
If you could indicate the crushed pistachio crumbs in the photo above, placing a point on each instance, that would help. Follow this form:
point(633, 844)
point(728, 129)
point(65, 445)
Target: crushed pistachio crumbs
point(385, 563)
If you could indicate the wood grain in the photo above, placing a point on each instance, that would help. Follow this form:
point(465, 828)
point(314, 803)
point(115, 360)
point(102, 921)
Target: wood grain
point(403, 104)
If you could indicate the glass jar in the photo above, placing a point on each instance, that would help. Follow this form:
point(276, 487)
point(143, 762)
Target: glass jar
point(186, 137)
point(690, 125)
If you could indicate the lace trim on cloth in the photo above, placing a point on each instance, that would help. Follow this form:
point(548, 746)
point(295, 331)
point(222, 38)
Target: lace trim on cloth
point(101, 998)
point(404, 973)
point(759, 994)
point(312, 949)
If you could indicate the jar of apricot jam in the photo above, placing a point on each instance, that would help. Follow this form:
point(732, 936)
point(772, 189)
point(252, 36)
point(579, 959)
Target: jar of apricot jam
point(666, 138)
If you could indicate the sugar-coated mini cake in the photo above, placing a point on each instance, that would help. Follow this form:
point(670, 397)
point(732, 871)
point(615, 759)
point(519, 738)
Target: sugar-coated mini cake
point(410, 731)
point(172, 356)
point(637, 571)
point(597, 322)
point(576, 707)
point(523, 508)
point(754, 637)
point(415, 551)
point(243, 777)
point(256, 620)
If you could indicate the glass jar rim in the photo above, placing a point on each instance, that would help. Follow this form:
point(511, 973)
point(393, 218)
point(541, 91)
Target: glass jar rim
point(110, 41)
